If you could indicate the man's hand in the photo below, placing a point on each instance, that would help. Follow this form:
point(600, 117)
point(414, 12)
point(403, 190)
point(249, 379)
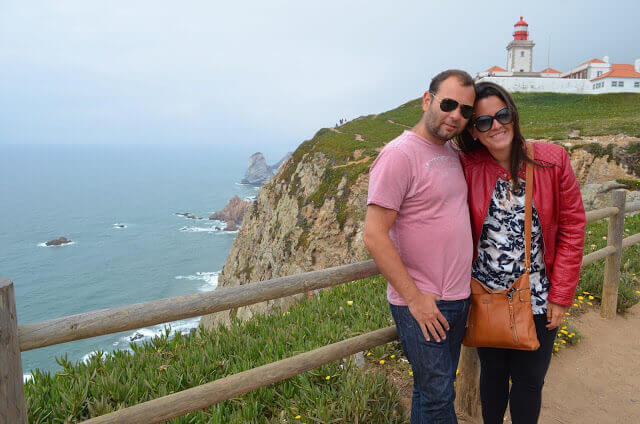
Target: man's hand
point(555, 315)
point(424, 309)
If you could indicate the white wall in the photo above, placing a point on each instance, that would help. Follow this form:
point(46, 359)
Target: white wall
point(532, 85)
point(562, 85)
point(608, 88)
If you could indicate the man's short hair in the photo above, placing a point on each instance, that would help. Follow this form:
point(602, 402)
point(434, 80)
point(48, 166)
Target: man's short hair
point(464, 78)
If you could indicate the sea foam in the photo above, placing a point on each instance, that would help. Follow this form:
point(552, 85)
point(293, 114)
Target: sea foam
point(210, 279)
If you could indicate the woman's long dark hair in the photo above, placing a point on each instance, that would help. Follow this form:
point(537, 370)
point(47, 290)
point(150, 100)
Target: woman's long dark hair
point(467, 143)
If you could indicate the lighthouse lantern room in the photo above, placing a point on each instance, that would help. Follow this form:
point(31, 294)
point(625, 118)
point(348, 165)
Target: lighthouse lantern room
point(520, 49)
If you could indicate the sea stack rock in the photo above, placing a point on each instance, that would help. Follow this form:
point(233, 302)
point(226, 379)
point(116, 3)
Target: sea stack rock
point(58, 242)
point(258, 172)
point(233, 213)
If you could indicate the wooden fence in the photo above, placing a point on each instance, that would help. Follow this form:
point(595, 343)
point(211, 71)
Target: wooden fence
point(14, 339)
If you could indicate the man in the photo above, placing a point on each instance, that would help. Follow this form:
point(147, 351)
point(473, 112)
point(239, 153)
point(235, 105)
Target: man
point(418, 232)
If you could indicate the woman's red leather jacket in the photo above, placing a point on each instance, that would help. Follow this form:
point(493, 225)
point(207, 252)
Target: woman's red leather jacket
point(556, 197)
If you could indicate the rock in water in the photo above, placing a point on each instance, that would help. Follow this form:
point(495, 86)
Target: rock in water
point(233, 213)
point(58, 241)
point(258, 172)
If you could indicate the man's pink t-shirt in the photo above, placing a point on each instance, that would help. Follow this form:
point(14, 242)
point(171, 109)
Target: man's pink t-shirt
point(425, 184)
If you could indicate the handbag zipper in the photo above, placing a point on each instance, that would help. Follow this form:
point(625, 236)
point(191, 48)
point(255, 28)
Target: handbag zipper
point(512, 320)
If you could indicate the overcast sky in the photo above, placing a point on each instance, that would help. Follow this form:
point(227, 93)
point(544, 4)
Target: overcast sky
point(262, 72)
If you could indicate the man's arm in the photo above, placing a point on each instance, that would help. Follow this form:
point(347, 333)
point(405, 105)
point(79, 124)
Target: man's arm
point(421, 305)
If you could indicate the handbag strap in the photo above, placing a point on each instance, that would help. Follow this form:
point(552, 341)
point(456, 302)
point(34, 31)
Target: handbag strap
point(528, 210)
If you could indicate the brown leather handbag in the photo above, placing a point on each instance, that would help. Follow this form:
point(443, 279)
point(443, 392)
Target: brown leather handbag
point(504, 318)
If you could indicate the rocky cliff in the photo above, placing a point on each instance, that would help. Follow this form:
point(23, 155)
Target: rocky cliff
point(310, 215)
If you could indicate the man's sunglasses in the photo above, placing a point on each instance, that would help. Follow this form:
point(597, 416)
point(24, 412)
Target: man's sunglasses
point(485, 122)
point(448, 105)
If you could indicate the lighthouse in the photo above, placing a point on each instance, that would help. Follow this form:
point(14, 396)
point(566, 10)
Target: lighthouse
point(520, 49)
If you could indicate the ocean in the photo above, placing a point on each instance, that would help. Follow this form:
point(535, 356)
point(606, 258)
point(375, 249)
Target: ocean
point(119, 206)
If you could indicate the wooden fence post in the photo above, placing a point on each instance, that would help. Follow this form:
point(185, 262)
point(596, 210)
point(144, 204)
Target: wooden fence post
point(12, 405)
point(468, 383)
point(612, 266)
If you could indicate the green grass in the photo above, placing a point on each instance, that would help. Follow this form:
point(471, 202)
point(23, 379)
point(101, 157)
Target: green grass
point(553, 115)
point(591, 276)
point(167, 365)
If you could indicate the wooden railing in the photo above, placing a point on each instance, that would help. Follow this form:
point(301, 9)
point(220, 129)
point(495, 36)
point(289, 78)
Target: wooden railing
point(14, 339)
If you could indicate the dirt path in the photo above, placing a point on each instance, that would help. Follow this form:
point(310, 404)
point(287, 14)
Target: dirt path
point(597, 381)
point(594, 382)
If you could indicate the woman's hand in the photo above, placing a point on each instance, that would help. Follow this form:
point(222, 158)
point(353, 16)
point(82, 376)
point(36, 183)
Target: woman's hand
point(555, 315)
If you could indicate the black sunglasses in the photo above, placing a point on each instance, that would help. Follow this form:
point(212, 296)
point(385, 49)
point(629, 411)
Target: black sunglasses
point(448, 105)
point(485, 122)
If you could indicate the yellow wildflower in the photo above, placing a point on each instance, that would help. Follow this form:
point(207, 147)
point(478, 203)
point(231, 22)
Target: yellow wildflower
point(585, 292)
point(382, 362)
point(393, 356)
point(589, 303)
point(298, 417)
point(327, 377)
point(576, 305)
point(411, 373)
point(368, 353)
point(591, 297)
point(564, 341)
point(567, 313)
point(564, 327)
point(580, 297)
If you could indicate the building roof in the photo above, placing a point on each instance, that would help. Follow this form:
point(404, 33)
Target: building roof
point(620, 70)
point(550, 71)
point(592, 61)
point(496, 69)
point(521, 22)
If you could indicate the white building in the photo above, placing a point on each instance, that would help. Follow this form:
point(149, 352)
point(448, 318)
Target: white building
point(594, 76)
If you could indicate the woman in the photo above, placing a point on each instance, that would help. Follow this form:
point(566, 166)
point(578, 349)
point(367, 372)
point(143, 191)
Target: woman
point(493, 158)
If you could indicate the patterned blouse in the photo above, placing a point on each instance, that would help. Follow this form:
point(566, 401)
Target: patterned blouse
point(500, 258)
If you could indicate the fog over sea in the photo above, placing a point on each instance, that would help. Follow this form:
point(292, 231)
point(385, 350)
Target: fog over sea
point(88, 193)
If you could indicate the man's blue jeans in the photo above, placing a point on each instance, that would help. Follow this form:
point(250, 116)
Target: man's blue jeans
point(434, 363)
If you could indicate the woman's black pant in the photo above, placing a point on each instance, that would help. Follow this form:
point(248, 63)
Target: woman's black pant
point(526, 369)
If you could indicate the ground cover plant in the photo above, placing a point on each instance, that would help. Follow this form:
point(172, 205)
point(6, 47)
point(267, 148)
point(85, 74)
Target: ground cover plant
point(337, 392)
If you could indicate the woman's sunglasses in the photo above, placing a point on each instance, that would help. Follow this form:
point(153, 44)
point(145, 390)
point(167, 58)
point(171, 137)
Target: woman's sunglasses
point(485, 122)
point(448, 105)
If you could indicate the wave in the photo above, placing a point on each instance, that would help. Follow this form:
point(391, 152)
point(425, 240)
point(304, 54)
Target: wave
point(213, 229)
point(200, 229)
point(60, 245)
point(210, 279)
point(119, 226)
point(146, 334)
point(250, 198)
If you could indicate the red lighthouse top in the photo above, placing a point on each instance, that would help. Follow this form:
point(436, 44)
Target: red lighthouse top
point(521, 30)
